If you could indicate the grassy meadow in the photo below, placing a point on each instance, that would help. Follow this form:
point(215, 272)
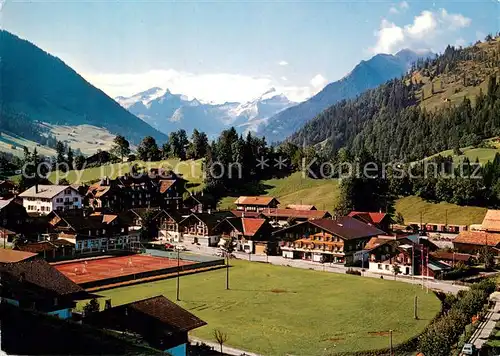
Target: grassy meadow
point(276, 310)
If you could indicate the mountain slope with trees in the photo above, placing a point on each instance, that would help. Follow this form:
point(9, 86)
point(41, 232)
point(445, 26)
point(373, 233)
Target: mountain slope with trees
point(366, 75)
point(392, 121)
point(36, 86)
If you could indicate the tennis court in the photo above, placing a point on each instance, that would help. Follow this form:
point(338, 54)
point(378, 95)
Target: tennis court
point(85, 271)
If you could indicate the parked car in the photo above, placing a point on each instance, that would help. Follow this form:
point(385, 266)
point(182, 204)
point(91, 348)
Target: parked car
point(169, 247)
point(468, 349)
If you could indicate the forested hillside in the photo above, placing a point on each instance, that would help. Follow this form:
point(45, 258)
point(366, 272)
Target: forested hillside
point(36, 86)
point(447, 102)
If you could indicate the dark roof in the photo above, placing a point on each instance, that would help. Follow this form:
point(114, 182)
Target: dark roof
point(39, 273)
point(347, 228)
point(174, 215)
point(211, 220)
point(298, 214)
point(159, 309)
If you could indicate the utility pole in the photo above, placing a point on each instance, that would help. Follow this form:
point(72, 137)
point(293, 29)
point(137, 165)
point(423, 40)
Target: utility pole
point(227, 271)
point(390, 343)
point(415, 308)
point(178, 272)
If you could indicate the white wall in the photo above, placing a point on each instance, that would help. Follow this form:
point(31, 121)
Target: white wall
point(287, 254)
point(44, 206)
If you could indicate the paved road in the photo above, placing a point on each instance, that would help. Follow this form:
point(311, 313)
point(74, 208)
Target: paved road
point(444, 286)
point(486, 327)
point(225, 349)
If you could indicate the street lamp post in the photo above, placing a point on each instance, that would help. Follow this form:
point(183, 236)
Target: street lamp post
point(178, 272)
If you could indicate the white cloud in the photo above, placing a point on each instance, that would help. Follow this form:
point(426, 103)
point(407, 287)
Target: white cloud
point(393, 10)
point(318, 82)
point(455, 21)
point(404, 5)
point(428, 29)
point(283, 63)
point(284, 78)
point(401, 7)
point(210, 87)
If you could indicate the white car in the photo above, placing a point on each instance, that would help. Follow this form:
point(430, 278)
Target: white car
point(468, 349)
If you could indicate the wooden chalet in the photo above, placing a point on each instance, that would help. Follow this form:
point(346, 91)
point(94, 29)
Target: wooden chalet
point(256, 203)
point(161, 323)
point(246, 232)
point(380, 220)
point(326, 240)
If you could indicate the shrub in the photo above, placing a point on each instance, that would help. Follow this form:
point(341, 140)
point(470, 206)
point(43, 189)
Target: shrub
point(353, 272)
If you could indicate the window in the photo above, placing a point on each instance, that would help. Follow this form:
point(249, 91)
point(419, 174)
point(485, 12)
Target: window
point(75, 199)
point(67, 191)
point(379, 266)
point(386, 267)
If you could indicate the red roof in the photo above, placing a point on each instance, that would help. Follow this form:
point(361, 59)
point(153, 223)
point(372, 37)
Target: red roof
point(249, 214)
point(477, 238)
point(450, 256)
point(165, 184)
point(369, 217)
point(251, 226)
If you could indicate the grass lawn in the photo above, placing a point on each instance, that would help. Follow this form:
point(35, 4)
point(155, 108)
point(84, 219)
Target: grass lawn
point(296, 189)
point(412, 206)
point(190, 169)
point(275, 310)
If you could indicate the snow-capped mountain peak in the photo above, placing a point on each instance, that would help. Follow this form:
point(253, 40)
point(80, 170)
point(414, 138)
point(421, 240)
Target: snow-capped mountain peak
point(167, 111)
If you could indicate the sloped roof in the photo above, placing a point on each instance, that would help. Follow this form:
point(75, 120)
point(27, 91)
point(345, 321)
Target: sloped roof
point(44, 191)
point(347, 228)
point(450, 256)
point(5, 202)
point(251, 226)
point(165, 184)
point(291, 213)
point(369, 217)
point(211, 220)
point(160, 309)
point(477, 238)
point(11, 256)
point(255, 200)
point(376, 242)
point(301, 207)
point(38, 272)
point(250, 214)
point(491, 221)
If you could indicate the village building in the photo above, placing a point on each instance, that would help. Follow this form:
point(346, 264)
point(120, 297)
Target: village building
point(301, 207)
point(287, 217)
point(491, 221)
point(30, 282)
point(43, 199)
point(379, 220)
point(472, 242)
point(255, 203)
point(326, 240)
point(49, 250)
point(156, 189)
point(199, 228)
point(7, 189)
point(169, 228)
point(408, 256)
point(200, 203)
point(453, 258)
point(251, 235)
point(161, 323)
point(94, 234)
point(13, 216)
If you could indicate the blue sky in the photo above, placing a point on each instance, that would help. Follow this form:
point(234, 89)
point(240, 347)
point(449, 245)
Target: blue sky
point(223, 51)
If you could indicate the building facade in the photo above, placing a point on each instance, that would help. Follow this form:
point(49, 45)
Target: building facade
point(43, 199)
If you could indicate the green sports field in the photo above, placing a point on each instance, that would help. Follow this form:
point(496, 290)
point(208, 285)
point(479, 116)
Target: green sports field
point(274, 310)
